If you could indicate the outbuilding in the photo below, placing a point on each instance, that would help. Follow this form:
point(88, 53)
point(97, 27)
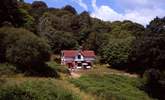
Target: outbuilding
point(78, 59)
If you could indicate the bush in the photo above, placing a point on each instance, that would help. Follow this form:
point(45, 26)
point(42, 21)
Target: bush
point(148, 48)
point(39, 5)
point(35, 89)
point(58, 67)
point(7, 70)
point(154, 83)
point(24, 49)
point(117, 51)
point(42, 71)
point(61, 41)
point(70, 9)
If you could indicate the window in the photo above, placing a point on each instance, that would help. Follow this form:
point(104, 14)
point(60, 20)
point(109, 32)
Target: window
point(79, 56)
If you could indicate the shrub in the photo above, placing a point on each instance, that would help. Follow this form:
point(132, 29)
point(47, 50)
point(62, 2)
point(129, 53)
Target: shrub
point(70, 9)
point(117, 51)
point(2, 44)
point(7, 69)
point(42, 71)
point(35, 89)
point(39, 4)
point(148, 48)
point(24, 49)
point(154, 83)
point(61, 40)
point(58, 67)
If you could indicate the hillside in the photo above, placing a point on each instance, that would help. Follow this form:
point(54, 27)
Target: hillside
point(90, 86)
point(129, 62)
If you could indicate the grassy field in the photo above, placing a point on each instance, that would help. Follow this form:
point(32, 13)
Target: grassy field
point(99, 83)
point(35, 89)
point(111, 87)
point(110, 84)
point(19, 86)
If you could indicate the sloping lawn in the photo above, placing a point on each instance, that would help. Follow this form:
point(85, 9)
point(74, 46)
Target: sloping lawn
point(35, 89)
point(111, 87)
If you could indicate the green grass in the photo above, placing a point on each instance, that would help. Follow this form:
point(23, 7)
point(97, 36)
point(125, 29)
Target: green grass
point(100, 83)
point(7, 70)
point(58, 67)
point(35, 89)
point(111, 87)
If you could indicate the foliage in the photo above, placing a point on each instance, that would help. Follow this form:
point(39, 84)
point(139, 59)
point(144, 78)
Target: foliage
point(23, 48)
point(56, 20)
point(28, 19)
point(148, 54)
point(57, 30)
point(148, 50)
point(95, 41)
point(117, 51)
point(35, 89)
point(126, 28)
point(100, 26)
point(109, 87)
point(39, 5)
point(7, 69)
point(58, 67)
point(10, 12)
point(154, 83)
point(61, 41)
point(70, 9)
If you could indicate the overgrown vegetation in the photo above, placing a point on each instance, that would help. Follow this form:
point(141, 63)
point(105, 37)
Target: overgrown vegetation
point(111, 87)
point(58, 67)
point(29, 33)
point(7, 70)
point(35, 89)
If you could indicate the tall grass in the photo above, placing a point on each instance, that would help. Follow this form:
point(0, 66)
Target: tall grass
point(7, 69)
point(58, 67)
point(35, 89)
point(111, 87)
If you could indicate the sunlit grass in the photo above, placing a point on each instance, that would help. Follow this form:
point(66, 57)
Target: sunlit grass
point(111, 87)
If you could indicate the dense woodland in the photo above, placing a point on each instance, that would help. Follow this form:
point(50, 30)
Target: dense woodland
point(31, 33)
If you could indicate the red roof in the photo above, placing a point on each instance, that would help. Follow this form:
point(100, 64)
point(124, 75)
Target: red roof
point(88, 53)
point(73, 53)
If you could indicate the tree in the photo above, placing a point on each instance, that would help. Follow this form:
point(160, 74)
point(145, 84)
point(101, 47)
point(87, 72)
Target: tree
point(125, 29)
point(117, 51)
point(9, 11)
point(24, 49)
point(61, 41)
point(58, 31)
point(96, 42)
point(154, 83)
point(39, 5)
point(148, 55)
point(20, 0)
point(70, 9)
point(148, 49)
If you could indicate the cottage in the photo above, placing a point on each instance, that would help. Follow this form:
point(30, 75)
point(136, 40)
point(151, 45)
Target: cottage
point(77, 59)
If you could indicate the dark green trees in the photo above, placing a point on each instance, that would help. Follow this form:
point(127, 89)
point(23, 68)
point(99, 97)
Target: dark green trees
point(117, 51)
point(23, 48)
point(60, 40)
point(10, 12)
point(39, 5)
point(148, 55)
point(118, 48)
point(70, 9)
point(148, 49)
